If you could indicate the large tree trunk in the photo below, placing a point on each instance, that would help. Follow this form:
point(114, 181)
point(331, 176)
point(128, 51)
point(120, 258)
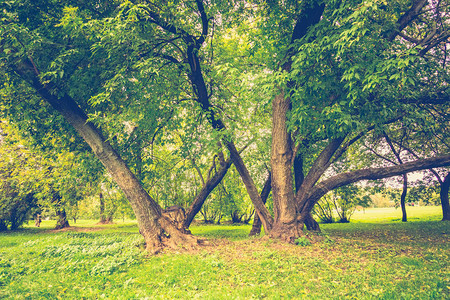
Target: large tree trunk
point(444, 198)
point(403, 198)
point(157, 230)
point(286, 226)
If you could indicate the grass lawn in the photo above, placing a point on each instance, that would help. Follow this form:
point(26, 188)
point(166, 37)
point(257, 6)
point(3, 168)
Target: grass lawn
point(374, 257)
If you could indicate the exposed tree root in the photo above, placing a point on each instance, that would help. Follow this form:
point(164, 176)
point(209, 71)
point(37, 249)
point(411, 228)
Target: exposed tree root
point(287, 232)
point(171, 238)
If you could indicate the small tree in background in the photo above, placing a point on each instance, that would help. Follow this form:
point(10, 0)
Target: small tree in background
point(324, 209)
point(343, 201)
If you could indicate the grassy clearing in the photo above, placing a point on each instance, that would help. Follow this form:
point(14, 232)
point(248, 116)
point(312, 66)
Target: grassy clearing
point(383, 260)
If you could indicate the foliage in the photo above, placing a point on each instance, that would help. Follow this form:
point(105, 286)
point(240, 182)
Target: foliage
point(34, 181)
point(424, 195)
point(19, 173)
point(303, 241)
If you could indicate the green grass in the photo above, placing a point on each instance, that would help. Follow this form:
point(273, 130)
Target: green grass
point(373, 258)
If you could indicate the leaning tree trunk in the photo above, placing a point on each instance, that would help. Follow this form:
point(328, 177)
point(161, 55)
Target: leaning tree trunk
point(157, 230)
point(207, 188)
point(444, 198)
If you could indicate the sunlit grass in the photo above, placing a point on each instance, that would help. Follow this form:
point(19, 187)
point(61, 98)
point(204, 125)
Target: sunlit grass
point(391, 214)
point(375, 259)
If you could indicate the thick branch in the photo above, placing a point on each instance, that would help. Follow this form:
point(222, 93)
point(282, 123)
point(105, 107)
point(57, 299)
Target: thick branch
point(434, 98)
point(309, 16)
point(373, 174)
point(156, 19)
point(407, 18)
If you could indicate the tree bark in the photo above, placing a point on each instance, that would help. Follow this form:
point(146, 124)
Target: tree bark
point(320, 165)
point(260, 208)
point(403, 198)
point(444, 198)
point(157, 231)
point(285, 225)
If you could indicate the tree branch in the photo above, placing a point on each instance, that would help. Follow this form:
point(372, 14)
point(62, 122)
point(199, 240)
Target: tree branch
point(204, 18)
point(373, 174)
point(407, 18)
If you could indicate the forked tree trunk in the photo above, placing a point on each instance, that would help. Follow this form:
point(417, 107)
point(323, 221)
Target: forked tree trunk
point(444, 198)
point(157, 230)
point(288, 225)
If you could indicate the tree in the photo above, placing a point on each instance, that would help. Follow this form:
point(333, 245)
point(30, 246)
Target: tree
point(325, 92)
point(332, 99)
point(32, 49)
point(346, 199)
